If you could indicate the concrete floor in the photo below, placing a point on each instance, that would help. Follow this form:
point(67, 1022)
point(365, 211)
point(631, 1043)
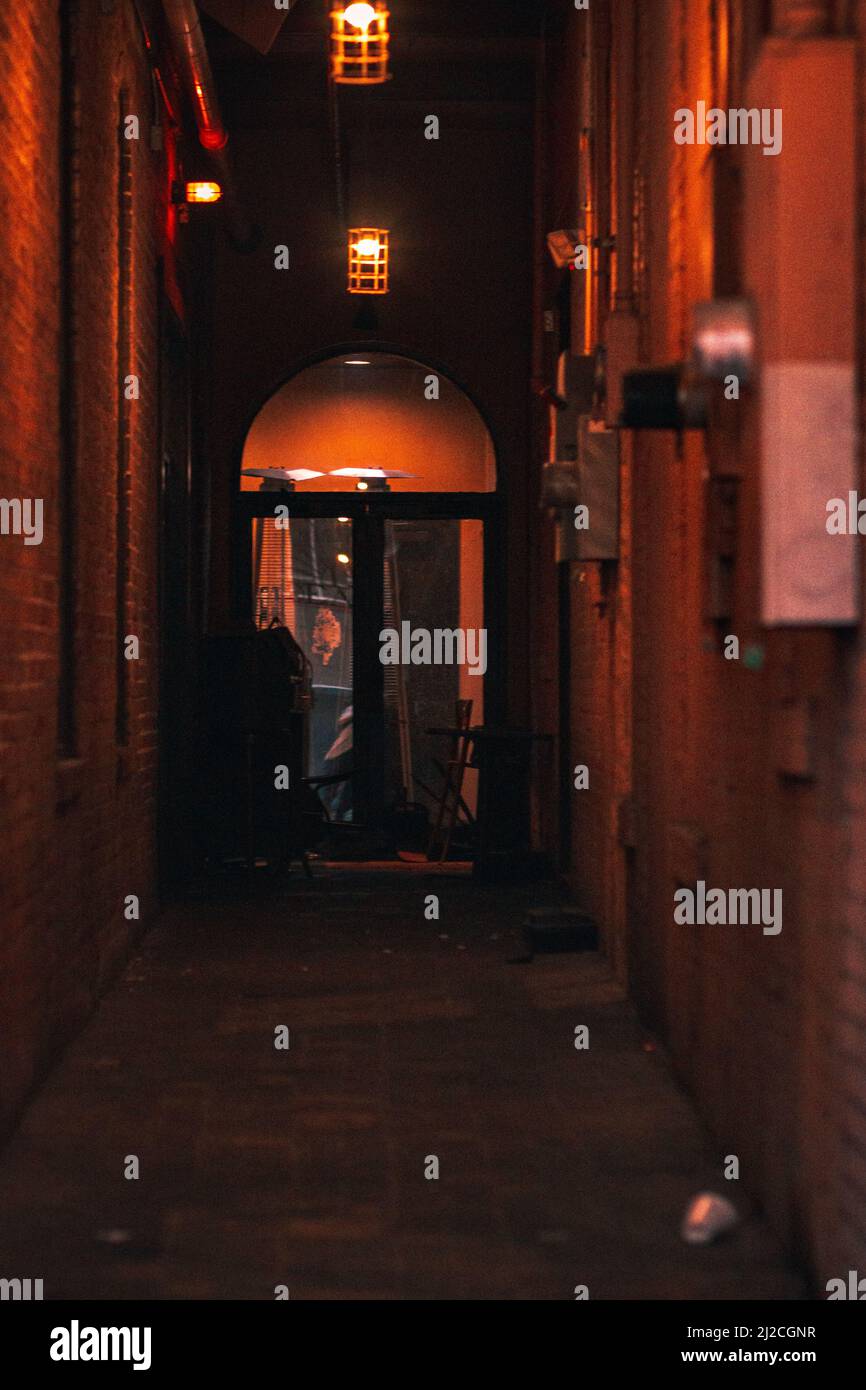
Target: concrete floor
point(305, 1167)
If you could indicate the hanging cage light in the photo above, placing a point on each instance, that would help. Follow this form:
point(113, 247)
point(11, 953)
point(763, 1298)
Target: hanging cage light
point(359, 43)
point(368, 260)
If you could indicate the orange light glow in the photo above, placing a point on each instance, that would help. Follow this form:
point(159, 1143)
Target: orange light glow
point(359, 43)
point(328, 413)
point(359, 16)
point(203, 192)
point(368, 260)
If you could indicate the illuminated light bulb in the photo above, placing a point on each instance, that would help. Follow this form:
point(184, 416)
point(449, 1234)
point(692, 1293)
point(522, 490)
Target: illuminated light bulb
point(203, 192)
point(214, 139)
point(359, 43)
point(343, 558)
point(368, 261)
point(361, 486)
point(359, 16)
point(342, 518)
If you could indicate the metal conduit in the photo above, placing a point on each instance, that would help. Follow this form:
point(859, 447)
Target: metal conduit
point(194, 64)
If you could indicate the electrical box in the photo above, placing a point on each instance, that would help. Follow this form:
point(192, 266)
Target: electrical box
point(800, 251)
point(589, 529)
point(575, 379)
point(598, 491)
point(621, 356)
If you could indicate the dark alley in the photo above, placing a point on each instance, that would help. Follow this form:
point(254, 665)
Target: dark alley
point(432, 668)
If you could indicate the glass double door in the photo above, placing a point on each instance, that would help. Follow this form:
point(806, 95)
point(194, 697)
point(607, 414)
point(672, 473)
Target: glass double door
point(389, 613)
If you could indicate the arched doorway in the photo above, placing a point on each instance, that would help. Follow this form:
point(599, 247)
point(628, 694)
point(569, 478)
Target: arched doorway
point(367, 502)
point(362, 407)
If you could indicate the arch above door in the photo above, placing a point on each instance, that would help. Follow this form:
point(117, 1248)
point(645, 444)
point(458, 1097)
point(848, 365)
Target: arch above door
point(372, 409)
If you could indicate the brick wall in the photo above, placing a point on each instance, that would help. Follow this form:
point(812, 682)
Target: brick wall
point(77, 831)
point(688, 752)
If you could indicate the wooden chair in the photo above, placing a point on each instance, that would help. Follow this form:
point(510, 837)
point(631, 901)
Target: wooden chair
point(451, 800)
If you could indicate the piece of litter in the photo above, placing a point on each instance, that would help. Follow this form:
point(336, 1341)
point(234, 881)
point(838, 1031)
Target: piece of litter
point(707, 1217)
point(114, 1237)
point(129, 1245)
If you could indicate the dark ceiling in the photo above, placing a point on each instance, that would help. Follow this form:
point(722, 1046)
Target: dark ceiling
point(442, 51)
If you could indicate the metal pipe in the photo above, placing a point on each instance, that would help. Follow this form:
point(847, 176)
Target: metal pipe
point(600, 29)
point(624, 35)
point(191, 51)
point(192, 58)
point(586, 207)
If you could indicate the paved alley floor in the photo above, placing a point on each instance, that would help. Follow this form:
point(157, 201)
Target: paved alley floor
point(409, 1039)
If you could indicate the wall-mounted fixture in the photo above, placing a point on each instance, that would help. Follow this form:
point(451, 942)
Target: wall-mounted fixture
point(370, 479)
point(368, 260)
point(567, 403)
point(723, 340)
point(598, 486)
point(559, 489)
point(663, 398)
point(563, 247)
point(202, 191)
point(585, 495)
point(359, 44)
point(580, 481)
point(618, 355)
point(806, 411)
point(281, 479)
point(183, 195)
point(575, 387)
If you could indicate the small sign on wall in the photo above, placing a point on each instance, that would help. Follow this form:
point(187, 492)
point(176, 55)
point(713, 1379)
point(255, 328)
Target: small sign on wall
point(805, 294)
point(809, 574)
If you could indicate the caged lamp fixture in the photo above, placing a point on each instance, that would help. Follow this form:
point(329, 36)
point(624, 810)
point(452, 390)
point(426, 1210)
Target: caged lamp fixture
point(196, 191)
point(368, 260)
point(359, 43)
point(203, 191)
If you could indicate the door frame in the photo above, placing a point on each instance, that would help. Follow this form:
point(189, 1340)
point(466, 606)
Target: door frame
point(372, 510)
